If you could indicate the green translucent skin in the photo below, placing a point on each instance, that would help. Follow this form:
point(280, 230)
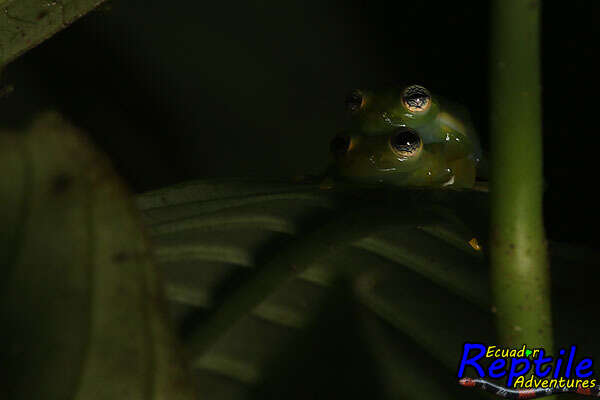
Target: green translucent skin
point(449, 150)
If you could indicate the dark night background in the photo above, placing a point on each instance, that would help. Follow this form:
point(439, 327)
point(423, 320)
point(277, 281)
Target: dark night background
point(175, 91)
point(256, 88)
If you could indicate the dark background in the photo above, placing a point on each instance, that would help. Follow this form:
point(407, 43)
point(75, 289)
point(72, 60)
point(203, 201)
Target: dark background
point(174, 91)
point(189, 90)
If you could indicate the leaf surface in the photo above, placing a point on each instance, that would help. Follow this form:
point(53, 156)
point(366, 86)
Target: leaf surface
point(26, 23)
point(82, 313)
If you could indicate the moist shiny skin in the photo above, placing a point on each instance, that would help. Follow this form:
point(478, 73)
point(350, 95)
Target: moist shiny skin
point(406, 136)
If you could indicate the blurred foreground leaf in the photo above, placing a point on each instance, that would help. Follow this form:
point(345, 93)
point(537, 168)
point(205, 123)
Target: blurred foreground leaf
point(81, 306)
point(250, 264)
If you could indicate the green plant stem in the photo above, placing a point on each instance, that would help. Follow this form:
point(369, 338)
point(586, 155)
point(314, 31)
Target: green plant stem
point(520, 273)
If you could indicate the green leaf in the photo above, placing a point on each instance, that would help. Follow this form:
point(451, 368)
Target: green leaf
point(26, 23)
point(81, 306)
point(250, 263)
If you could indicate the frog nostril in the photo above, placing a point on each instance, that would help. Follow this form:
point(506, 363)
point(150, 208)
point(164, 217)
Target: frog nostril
point(339, 145)
point(406, 142)
point(355, 101)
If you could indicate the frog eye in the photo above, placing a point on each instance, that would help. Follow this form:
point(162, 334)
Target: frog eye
point(416, 99)
point(340, 145)
point(355, 101)
point(406, 143)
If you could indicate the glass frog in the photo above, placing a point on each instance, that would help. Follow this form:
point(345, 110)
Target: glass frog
point(406, 137)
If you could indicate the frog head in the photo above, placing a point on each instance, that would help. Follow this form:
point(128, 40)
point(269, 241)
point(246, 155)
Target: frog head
point(374, 111)
point(404, 137)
